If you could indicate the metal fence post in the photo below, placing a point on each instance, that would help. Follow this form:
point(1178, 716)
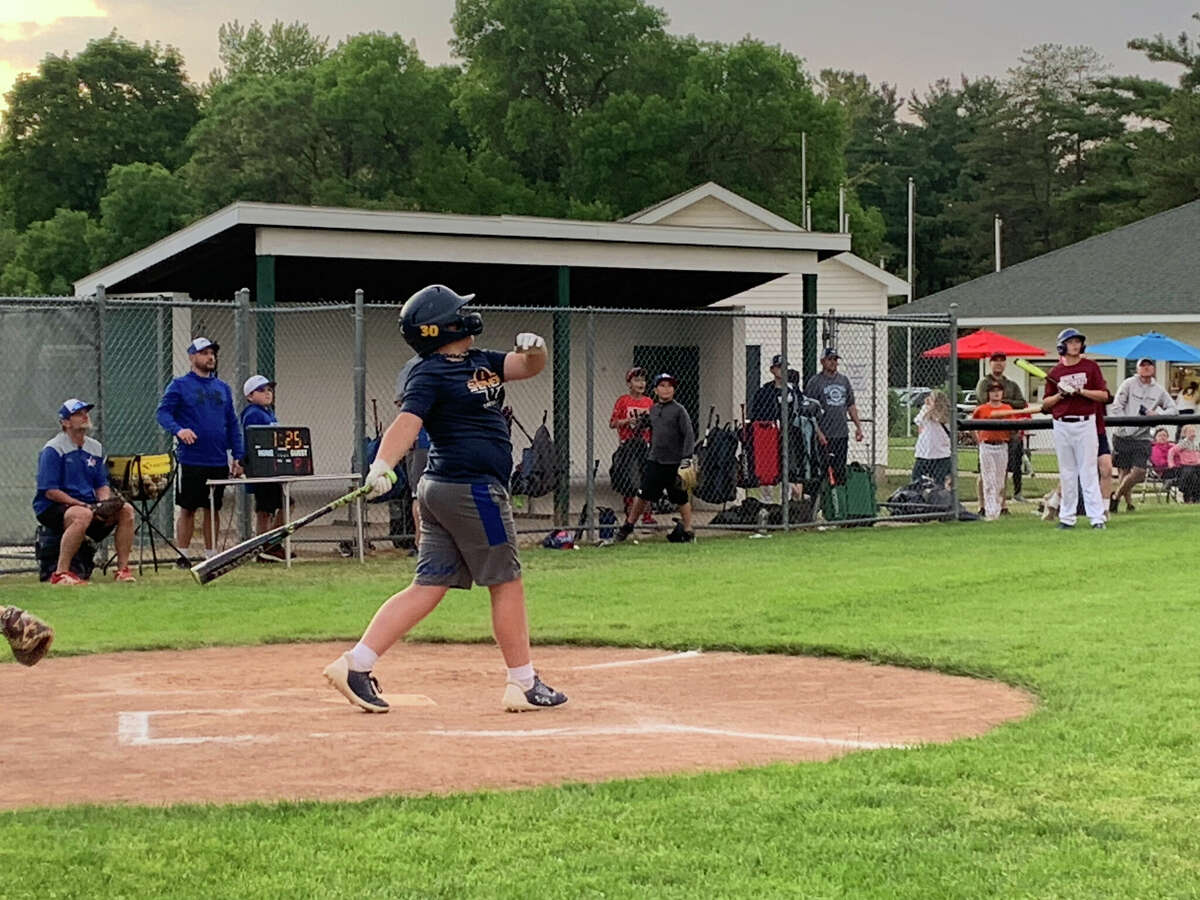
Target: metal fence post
point(785, 423)
point(241, 342)
point(562, 398)
point(590, 355)
point(360, 380)
point(101, 314)
point(954, 410)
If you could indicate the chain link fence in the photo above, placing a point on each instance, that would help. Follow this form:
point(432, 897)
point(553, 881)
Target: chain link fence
point(784, 437)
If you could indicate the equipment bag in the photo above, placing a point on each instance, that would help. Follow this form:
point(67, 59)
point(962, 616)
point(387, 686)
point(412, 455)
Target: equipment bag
point(718, 466)
point(853, 500)
point(625, 473)
point(539, 467)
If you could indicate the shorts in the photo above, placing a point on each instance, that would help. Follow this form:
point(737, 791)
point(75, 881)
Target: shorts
point(1102, 448)
point(467, 535)
point(1131, 452)
point(414, 466)
point(191, 490)
point(662, 477)
point(53, 518)
point(268, 498)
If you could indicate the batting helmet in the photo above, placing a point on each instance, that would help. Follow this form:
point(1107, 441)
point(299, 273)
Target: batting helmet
point(1060, 343)
point(432, 318)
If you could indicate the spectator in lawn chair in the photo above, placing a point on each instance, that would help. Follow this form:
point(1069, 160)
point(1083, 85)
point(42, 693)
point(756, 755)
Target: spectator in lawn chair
point(268, 498)
point(669, 467)
point(836, 396)
point(197, 409)
point(1138, 395)
point(932, 456)
point(1160, 451)
point(630, 417)
point(1014, 397)
point(1184, 460)
point(73, 497)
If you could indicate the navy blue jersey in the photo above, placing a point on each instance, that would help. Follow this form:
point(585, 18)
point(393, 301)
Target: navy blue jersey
point(76, 471)
point(459, 401)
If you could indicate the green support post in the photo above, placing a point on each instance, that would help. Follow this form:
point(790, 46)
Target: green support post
point(809, 335)
point(264, 296)
point(562, 398)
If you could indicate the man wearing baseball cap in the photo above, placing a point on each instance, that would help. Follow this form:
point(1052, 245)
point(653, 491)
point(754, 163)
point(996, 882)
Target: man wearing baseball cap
point(197, 409)
point(1138, 395)
point(835, 394)
point(73, 498)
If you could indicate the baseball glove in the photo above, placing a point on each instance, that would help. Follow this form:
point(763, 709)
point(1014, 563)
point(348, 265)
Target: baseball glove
point(28, 635)
point(688, 475)
point(108, 510)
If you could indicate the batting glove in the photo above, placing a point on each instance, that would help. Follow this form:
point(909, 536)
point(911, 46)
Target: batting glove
point(380, 477)
point(1068, 390)
point(527, 341)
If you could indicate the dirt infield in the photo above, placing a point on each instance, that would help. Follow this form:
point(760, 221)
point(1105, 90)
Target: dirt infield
point(259, 723)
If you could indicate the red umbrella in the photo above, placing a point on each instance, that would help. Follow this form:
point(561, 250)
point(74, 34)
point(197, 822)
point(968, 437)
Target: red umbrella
point(983, 344)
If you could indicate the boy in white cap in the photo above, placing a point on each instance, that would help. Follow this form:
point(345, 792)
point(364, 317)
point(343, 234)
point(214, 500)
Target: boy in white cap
point(259, 392)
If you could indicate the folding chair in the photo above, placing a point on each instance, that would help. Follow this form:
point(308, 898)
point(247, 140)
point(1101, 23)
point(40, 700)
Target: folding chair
point(144, 479)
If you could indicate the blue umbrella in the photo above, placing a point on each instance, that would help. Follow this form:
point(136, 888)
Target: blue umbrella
point(1152, 344)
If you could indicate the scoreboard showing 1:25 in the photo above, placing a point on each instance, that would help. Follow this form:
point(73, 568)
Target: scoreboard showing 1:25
point(278, 450)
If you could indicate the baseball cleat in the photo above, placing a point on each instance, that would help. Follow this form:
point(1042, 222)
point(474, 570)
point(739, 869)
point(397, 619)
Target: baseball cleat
point(540, 696)
point(360, 688)
point(624, 531)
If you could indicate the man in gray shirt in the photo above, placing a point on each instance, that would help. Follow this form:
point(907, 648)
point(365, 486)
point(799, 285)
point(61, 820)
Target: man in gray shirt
point(833, 391)
point(1138, 395)
point(672, 441)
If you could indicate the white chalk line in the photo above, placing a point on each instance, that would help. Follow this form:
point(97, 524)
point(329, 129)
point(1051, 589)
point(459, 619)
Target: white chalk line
point(133, 730)
point(673, 657)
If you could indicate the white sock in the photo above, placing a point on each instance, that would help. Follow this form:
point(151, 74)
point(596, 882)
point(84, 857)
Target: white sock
point(522, 675)
point(362, 658)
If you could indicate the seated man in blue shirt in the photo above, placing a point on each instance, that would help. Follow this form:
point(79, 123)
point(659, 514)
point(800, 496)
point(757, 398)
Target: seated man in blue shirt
point(72, 485)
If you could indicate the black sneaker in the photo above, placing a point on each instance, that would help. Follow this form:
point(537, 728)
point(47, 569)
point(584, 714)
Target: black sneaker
point(1114, 504)
point(360, 688)
point(623, 532)
point(540, 696)
point(182, 562)
point(1063, 526)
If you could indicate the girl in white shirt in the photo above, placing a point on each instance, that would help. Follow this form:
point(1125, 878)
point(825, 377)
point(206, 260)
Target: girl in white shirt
point(933, 439)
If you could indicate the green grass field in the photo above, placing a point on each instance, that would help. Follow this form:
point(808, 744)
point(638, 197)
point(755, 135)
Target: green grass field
point(1095, 795)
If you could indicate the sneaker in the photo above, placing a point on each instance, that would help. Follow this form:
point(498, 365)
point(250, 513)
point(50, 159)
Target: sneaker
point(360, 688)
point(648, 518)
point(540, 696)
point(624, 531)
point(68, 579)
point(124, 574)
point(1018, 498)
point(1099, 526)
point(1114, 504)
point(1063, 526)
point(182, 562)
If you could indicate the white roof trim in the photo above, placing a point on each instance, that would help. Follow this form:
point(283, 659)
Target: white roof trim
point(895, 286)
point(1068, 319)
point(653, 214)
point(310, 217)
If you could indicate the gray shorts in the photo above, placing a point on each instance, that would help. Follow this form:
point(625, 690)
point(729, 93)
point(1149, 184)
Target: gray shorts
point(467, 535)
point(414, 466)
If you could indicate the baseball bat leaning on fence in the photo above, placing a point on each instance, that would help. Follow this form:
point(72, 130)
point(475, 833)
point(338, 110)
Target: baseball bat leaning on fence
point(230, 559)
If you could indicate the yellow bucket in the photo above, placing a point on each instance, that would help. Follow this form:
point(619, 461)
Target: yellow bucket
point(142, 476)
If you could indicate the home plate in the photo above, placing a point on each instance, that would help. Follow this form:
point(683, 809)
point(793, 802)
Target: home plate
point(394, 700)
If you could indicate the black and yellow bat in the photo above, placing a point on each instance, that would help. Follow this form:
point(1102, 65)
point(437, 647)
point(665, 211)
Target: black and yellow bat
point(227, 560)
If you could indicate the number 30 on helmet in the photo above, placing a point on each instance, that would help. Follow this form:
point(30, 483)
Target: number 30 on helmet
point(433, 317)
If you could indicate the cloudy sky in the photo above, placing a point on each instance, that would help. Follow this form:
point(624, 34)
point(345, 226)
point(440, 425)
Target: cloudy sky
point(909, 46)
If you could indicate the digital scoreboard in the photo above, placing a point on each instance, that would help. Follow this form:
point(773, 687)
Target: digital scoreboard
point(278, 450)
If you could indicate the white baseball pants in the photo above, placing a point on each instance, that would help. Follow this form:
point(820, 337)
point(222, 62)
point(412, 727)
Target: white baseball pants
point(993, 464)
point(1076, 444)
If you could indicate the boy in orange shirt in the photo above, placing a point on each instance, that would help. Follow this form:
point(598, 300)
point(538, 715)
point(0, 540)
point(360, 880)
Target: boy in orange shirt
point(993, 451)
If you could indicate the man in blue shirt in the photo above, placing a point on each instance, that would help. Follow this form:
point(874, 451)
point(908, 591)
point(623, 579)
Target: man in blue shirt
point(72, 485)
point(467, 532)
point(197, 409)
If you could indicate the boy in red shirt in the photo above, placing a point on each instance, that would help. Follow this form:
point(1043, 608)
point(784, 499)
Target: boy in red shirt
point(993, 451)
point(1080, 395)
point(630, 418)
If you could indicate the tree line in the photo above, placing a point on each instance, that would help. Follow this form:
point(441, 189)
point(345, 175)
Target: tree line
point(586, 109)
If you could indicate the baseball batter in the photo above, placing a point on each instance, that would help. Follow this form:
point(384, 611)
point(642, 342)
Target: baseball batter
point(467, 533)
point(1080, 394)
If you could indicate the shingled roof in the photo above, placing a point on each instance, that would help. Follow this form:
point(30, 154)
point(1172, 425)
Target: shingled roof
point(1145, 269)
